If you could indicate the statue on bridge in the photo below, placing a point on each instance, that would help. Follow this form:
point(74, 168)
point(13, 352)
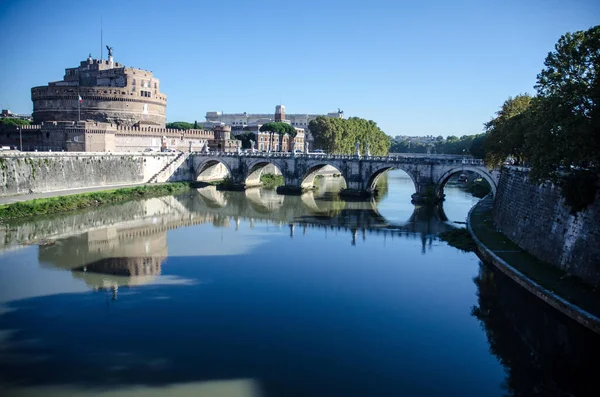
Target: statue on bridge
point(368, 150)
point(306, 147)
point(294, 148)
point(252, 143)
point(205, 148)
point(357, 147)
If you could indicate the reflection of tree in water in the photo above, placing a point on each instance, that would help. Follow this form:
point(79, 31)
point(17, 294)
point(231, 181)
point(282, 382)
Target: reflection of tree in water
point(544, 352)
point(382, 187)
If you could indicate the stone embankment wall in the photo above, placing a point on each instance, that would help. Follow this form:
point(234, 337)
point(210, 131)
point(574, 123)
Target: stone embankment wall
point(22, 173)
point(536, 218)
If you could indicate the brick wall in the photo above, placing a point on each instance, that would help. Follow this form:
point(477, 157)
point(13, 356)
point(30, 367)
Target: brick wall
point(536, 218)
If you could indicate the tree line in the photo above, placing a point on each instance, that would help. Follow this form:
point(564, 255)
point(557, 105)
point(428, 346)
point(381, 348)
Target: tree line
point(9, 121)
point(556, 132)
point(182, 125)
point(340, 135)
point(472, 145)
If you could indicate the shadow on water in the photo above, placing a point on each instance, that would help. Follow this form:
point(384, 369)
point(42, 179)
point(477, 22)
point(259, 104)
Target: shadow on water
point(544, 352)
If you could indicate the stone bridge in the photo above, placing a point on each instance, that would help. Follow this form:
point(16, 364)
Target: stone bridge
point(429, 173)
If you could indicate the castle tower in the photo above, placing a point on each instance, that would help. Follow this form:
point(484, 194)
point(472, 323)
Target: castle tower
point(279, 113)
point(110, 92)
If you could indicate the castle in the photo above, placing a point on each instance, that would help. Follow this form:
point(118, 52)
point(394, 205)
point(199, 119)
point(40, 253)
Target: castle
point(104, 106)
point(102, 91)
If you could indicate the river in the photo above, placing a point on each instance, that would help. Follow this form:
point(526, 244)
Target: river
point(251, 293)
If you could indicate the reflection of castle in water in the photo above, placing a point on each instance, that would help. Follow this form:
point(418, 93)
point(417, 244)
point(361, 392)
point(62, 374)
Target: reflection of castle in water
point(113, 272)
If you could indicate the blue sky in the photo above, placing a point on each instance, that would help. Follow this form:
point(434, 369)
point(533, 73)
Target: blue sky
point(416, 68)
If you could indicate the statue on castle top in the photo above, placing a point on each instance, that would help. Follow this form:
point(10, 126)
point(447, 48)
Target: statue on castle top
point(110, 50)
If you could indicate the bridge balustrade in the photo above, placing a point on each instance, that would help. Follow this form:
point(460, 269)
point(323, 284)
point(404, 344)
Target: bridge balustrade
point(390, 158)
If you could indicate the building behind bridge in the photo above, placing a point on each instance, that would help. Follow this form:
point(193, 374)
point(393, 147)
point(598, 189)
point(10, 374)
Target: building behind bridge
point(244, 122)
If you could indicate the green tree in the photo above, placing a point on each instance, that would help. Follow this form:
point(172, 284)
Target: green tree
point(567, 112)
point(340, 135)
point(556, 132)
point(245, 138)
point(280, 129)
point(477, 148)
point(180, 125)
point(506, 132)
point(12, 121)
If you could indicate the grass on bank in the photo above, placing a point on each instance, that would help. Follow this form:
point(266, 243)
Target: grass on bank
point(55, 205)
point(271, 181)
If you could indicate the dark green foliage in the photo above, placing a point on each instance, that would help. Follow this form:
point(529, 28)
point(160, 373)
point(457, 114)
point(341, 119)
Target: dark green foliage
point(459, 238)
point(15, 122)
point(478, 187)
point(407, 147)
point(246, 137)
point(180, 125)
point(506, 132)
point(279, 128)
point(579, 189)
point(556, 133)
point(59, 204)
point(271, 181)
point(465, 145)
point(477, 148)
point(340, 135)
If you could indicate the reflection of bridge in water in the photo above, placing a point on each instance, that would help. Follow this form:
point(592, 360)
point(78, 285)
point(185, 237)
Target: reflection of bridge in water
point(114, 245)
point(309, 209)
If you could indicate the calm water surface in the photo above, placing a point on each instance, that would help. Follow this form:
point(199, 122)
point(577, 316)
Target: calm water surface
point(255, 294)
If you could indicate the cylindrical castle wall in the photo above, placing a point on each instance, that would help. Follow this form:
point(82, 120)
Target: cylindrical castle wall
point(104, 104)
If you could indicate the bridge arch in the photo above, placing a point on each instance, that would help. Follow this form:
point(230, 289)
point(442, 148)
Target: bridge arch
point(212, 197)
point(256, 169)
point(212, 169)
point(307, 180)
point(441, 182)
point(375, 175)
point(264, 202)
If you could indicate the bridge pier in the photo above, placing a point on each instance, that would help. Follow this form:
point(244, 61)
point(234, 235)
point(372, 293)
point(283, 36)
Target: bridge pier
point(290, 189)
point(235, 187)
point(357, 193)
point(427, 193)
